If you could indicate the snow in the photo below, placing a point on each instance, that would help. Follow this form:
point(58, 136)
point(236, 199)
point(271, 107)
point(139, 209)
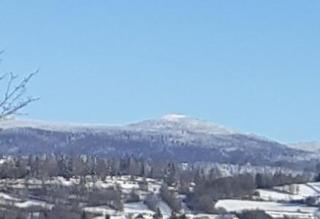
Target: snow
point(306, 190)
point(315, 186)
point(274, 201)
point(273, 208)
point(101, 209)
point(303, 190)
point(203, 216)
point(53, 126)
point(270, 195)
point(137, 207)
point(180, 125)
point(173, 117)
point(128, 186)
point(171, 120)
point(133, 209)
point(165, 209)
point(174, 123)
point(63, 181)
point(32, 203)
point(7, 197)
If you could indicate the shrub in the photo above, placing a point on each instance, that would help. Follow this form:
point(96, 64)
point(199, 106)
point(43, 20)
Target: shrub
point(254, 214)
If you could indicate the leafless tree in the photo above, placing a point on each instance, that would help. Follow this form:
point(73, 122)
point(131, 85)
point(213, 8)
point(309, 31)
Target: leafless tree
point(14, 97)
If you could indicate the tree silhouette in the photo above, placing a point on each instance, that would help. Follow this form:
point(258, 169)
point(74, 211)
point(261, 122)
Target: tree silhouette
point(13, 96)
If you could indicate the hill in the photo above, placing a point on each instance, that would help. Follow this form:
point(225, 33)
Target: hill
point(172, 137)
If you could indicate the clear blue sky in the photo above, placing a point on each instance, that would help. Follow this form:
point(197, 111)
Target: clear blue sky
point(250, 65)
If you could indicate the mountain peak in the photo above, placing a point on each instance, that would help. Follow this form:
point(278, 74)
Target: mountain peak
point(174, 117)
point(176, 123)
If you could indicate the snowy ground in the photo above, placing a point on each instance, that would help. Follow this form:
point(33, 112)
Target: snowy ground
point(126, 184)
point(272, 195)
point(273, 208)
point(275, 202)
point(6, 199)
point(303, 190)
point(278, 201)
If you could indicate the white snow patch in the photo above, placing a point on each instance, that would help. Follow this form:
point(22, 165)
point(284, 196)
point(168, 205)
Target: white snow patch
point(137, 207)
point(270, 195)
point(273, 208)
point(303, 190)
point(173, 117)
point(32, 203)
point(165, 209)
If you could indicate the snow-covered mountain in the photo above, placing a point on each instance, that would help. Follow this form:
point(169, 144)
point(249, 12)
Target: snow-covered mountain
point(52, 126)
point(172, 137)
point(171, 123)
point(177, 124)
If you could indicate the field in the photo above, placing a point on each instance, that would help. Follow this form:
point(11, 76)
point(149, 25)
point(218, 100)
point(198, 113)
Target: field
point(278, 202)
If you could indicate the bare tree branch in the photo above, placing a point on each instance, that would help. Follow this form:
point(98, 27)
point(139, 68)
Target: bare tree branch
point(14, 99)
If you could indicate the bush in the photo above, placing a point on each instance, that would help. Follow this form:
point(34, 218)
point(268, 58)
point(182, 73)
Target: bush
point(255, 214)
point(311, 201)
point(203, 203)
point(133, 197)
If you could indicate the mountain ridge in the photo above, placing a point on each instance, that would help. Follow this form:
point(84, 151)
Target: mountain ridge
point(172, 137)
point(169, 123)
point(190, 123)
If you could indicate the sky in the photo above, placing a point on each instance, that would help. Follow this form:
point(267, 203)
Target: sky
point(249, 65)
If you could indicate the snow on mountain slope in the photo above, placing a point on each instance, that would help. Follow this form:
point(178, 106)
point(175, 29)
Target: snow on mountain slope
point(173, 136)
point(187, 129)
point(170, 128)
point(53, 126)
point(167, 123)
point(176, 123)
point(172, 124)
point(312, 146)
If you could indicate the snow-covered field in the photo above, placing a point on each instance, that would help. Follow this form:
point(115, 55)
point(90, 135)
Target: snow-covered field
point(6, 199)
point(137, 208)
point(303, 190)
point(272, 195)
point(127, 184)
point(287, 193)
point(273, 208)
point(278, 202)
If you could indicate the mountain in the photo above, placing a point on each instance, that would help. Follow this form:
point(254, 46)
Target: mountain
point(177, 124)
point(172, 137)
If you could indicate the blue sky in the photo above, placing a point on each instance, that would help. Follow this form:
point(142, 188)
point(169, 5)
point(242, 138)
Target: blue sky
point(249, 65)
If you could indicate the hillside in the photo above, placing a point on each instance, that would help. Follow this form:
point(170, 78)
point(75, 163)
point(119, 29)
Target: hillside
point(172, 137)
